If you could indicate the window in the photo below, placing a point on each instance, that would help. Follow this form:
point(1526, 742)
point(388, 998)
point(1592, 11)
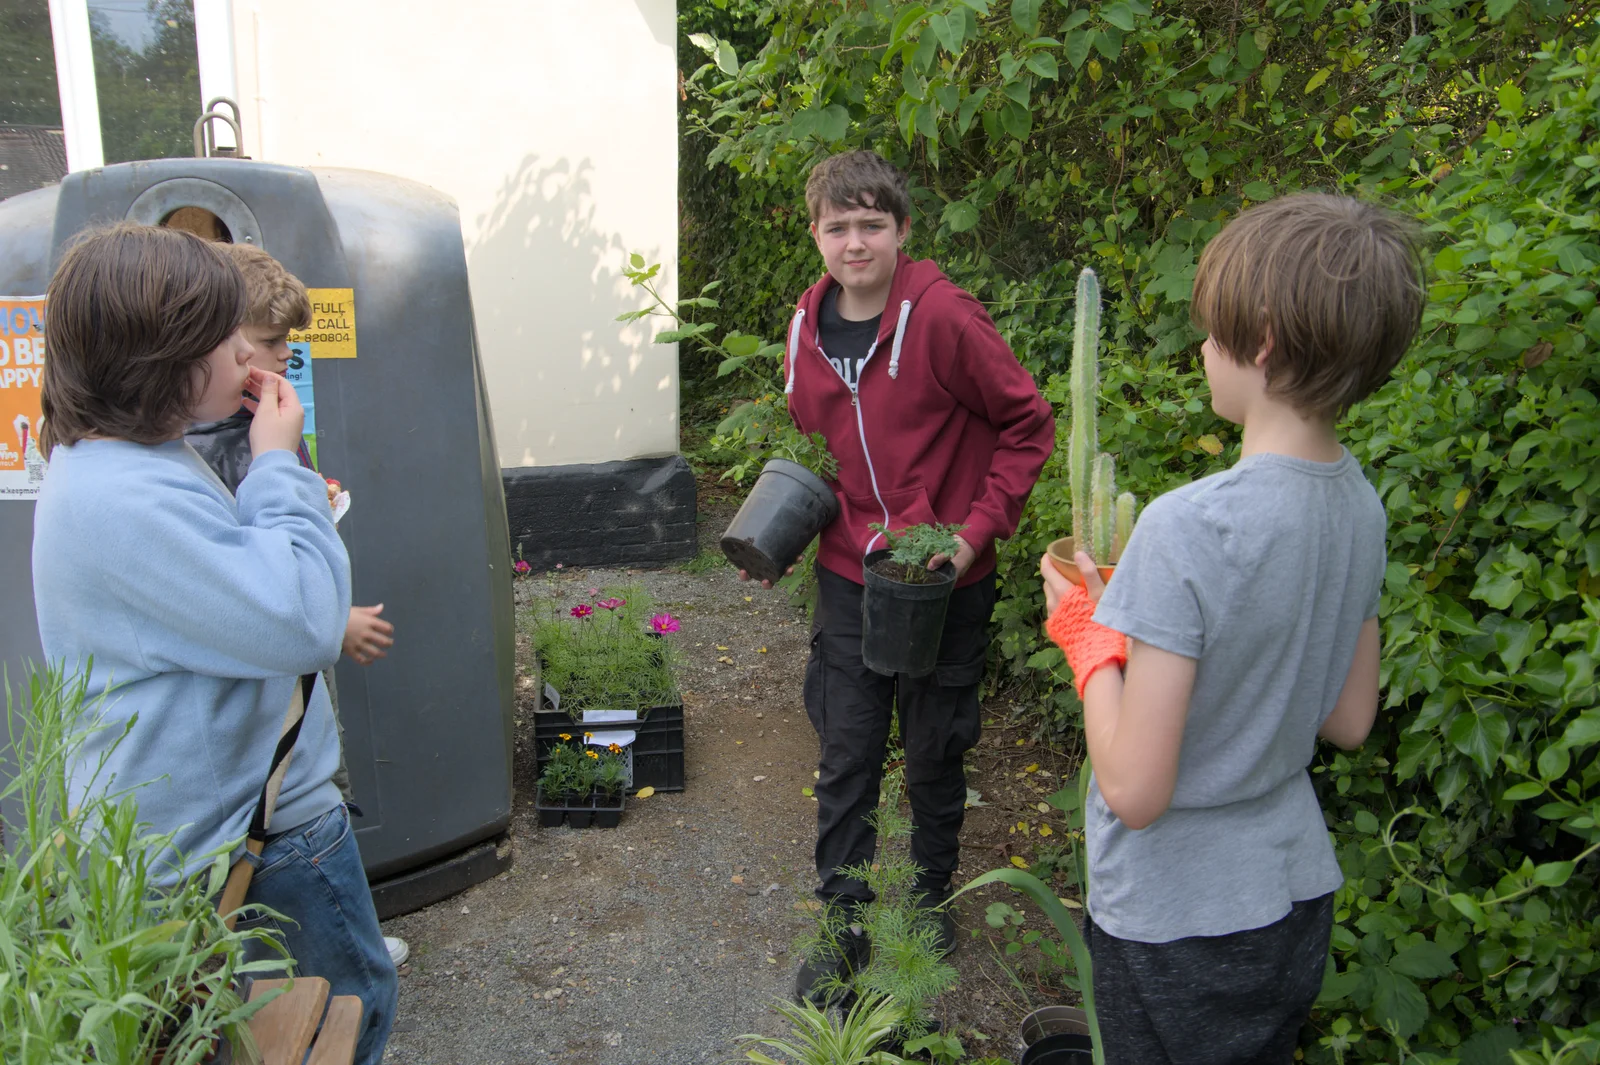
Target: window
point(147, 77)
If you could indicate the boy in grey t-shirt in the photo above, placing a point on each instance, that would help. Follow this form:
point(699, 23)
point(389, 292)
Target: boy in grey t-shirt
point(1244, 616)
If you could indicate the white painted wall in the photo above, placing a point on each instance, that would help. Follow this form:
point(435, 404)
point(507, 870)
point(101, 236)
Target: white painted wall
point(553, 124)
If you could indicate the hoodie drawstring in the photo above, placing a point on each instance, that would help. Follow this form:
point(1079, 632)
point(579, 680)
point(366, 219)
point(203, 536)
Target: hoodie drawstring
point(899, 338)
point(794, 349)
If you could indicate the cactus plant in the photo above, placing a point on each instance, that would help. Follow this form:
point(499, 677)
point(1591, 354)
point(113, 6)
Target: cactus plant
point(1102, 521)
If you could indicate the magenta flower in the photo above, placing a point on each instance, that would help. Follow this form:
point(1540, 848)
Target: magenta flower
point(663, 624)
point(521, 568)
point(611, 604)
point(558, 565)
point(593, 592)
point(582, 610)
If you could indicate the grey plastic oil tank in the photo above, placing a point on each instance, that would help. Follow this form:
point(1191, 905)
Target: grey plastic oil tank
point(405, 426)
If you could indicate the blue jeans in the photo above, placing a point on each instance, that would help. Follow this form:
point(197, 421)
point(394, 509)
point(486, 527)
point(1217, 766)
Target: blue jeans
point(312, 875)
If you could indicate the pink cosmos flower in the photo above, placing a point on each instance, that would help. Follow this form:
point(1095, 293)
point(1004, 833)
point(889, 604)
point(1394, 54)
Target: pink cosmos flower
point(521, 568)
point(611, 604)
point(582, 610)
point(593, 592)
point(663, 624)
point(558, 565)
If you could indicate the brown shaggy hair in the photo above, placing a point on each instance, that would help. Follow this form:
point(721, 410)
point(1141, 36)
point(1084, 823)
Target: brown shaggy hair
point(1334, 285)
point(276, 297)
point(858, 179)
point(132, 311)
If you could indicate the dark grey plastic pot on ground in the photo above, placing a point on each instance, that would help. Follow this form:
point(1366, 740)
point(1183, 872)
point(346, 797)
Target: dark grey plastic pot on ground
point(785, 510)
point(1057, 1035)
point(902, 624)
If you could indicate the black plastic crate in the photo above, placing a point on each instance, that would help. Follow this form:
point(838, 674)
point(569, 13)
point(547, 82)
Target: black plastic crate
point(657, 745)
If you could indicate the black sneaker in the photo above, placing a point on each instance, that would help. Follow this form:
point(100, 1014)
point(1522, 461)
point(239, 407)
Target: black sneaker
point(931, 900)
point(825, 980)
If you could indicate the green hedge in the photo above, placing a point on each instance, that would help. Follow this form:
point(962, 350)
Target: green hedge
point(1044, 135)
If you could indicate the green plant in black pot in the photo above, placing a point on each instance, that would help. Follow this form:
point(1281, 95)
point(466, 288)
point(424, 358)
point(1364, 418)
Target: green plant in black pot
point(610, 785)
point(904, 603)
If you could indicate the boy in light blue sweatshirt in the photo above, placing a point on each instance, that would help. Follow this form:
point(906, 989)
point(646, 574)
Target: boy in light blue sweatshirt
point(199, 611)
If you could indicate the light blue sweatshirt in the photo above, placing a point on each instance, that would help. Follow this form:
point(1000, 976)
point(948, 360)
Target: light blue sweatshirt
point(199, 612)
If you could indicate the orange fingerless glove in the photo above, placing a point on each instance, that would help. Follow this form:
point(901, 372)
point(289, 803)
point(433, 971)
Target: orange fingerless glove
point(1088, 646)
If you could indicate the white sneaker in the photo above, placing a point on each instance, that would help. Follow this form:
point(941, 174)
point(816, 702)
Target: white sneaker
point(398, 951)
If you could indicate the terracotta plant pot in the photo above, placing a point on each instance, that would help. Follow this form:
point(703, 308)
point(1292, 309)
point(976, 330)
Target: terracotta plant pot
point(1061, 552)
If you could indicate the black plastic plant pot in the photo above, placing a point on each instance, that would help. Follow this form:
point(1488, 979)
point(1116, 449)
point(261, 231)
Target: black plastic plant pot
point(580, 810)
point(1063, 1048)
point(608, 809)
point(1053, 1020)
point(902, 624)
point(786, 508)
point(551, 811)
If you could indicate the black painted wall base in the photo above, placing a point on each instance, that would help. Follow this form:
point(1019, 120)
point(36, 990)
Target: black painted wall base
point(636, 512)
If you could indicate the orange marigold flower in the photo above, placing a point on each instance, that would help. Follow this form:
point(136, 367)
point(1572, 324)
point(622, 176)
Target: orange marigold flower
point(591, 754)
point(566, 735)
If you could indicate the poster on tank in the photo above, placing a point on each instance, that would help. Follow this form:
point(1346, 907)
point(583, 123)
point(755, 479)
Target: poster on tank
point(298, 373)
point(21, 374)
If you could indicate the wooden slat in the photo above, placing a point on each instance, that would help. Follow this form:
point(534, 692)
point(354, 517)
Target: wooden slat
point(284, 1027)
point(336, 1043)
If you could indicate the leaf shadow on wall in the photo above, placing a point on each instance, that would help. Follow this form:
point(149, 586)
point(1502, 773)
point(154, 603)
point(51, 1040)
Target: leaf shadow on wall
point(547, 288)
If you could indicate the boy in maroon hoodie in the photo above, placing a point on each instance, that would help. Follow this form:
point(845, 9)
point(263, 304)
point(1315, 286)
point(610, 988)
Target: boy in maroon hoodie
point(932, 419)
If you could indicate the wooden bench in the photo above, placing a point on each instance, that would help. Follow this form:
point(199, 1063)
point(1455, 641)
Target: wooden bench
point(288, 1026)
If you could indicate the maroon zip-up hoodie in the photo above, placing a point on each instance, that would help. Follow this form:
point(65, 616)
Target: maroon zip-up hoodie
point(944, 424)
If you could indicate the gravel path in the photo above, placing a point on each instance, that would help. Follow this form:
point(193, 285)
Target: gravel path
point(659, 941)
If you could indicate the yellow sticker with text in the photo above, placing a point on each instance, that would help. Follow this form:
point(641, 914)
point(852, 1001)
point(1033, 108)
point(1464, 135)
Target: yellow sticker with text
point(332, 332)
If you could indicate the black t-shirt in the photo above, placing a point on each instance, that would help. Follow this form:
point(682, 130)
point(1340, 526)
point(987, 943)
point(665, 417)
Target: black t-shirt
point(845, 343)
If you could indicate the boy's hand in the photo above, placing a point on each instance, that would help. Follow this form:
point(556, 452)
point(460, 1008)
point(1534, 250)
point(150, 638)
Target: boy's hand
point(964, 557)
point(744, 575)
point(279, 418)
point(367, 636)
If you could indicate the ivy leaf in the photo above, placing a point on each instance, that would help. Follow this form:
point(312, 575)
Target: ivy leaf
point(1492, 1047)
point(951, 30)
point(969, 107)
point(1078, 44)
point(960, 216)
point(1250, 53)
point(1271, 78)
point(1582, 732)
point(1481, 736)
point(1016, 119)
point(1025, 13)
point(1414, 750)
point(1425, 961)
point(1044, 65)
point(1513, 639)
point(1119, 15)
point(833, 123)
point(1396, 999)
point(1497, 589)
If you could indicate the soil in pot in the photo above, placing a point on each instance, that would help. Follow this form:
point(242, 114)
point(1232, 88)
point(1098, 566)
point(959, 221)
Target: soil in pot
point(580, 810)
point(1061, 552)
point(786, 508)
point(902, 622)
point(1062, 1048)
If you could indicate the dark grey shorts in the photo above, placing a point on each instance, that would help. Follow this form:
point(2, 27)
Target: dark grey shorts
point(1237, 999)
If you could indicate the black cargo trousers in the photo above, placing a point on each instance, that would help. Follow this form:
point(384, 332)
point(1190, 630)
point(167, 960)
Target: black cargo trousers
point(849, 706)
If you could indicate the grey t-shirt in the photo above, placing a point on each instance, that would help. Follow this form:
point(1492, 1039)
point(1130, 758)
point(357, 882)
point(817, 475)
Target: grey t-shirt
point(1264, 574)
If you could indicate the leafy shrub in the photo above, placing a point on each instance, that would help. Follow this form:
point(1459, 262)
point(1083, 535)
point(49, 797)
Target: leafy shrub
point(1045, 137)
